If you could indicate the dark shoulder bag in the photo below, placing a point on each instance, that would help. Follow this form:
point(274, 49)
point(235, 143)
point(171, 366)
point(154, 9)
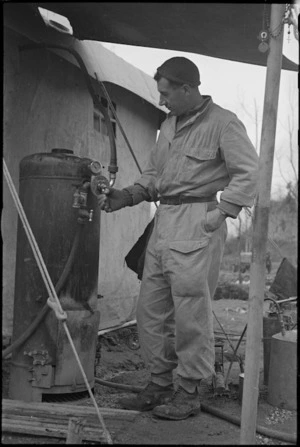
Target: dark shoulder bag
point(135, 258)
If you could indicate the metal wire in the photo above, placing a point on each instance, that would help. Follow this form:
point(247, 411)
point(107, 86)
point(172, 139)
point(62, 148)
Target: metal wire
point(49, 285)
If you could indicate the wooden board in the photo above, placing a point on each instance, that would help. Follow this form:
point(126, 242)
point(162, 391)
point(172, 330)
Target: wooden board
point(51, 420)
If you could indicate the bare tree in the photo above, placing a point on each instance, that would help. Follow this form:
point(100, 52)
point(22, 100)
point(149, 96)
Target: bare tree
point(291, 182)
point(255, 117)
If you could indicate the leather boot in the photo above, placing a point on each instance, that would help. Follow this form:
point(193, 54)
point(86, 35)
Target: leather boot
point(149, 398)
point(181, 406)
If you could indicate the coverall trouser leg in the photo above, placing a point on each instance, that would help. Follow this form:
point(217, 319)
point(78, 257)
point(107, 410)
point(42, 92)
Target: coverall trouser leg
point(174, 311)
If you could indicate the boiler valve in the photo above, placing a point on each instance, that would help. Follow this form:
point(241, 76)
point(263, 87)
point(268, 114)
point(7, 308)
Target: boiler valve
point(76, 199)
point(80, 196)
point(99, 184)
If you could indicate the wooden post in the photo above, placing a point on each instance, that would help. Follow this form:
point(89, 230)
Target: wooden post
point(260, 231)
point(75, 431)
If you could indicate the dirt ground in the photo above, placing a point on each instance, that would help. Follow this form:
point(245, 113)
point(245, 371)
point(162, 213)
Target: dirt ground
point(120, 364)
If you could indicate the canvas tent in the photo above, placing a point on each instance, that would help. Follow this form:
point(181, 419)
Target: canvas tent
point(226, 31)
point(47, 104)
point(222, 30)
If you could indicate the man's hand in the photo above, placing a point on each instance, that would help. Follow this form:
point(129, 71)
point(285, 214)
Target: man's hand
point(214, 220)
point(113, 200)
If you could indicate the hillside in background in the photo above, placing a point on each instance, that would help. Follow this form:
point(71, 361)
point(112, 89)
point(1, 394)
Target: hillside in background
point(283, 230)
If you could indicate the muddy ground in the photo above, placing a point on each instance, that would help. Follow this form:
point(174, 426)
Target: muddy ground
point(120, 364)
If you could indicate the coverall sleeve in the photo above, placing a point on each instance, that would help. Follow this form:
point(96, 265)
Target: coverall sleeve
point(241, 162)
point(144, 187)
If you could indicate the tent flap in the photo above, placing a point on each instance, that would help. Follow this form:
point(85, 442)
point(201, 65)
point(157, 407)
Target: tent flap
point(221, 30)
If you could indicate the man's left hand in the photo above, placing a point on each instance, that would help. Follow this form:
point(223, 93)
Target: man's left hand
point(214, 220)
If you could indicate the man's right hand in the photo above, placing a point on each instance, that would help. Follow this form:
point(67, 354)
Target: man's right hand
point(114, 200)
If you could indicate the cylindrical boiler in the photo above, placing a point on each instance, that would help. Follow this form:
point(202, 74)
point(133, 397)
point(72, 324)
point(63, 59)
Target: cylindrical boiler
point(45, 363)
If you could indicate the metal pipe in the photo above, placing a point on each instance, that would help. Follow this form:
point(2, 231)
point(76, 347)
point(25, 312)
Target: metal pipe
point(113, 167)
point(234, 354)
point(230, 344)
point(115, 328)
point(260, 229)
point(120, 125)
point(279, 310)
point(118, 122)
point(236, 420)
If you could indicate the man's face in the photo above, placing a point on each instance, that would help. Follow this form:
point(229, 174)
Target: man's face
point(175, 98)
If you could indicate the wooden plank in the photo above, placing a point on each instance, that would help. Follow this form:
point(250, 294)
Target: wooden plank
point(51, 433)
point(48, 430)
point(95, 424)
point(66, 410)
point(49, 422)
point(50, 427)
point(27, 429)
point(75, 431)
point(43, 421)
point(23, 421)
point(92, 419)
point(51, 419)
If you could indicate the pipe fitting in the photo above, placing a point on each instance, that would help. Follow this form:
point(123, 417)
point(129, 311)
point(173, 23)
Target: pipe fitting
point(80, 195)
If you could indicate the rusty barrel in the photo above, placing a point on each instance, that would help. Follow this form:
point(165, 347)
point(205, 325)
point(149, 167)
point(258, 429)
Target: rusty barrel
point(45, 363)
point(271, 326)
point(282, 386)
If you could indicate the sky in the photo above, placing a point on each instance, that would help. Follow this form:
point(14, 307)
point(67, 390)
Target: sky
point(239, 88)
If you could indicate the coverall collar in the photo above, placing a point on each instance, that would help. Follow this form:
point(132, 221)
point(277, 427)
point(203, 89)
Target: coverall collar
point(193, 114)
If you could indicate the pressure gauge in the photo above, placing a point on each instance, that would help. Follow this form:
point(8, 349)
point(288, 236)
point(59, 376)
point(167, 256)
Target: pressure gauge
point(95, 167)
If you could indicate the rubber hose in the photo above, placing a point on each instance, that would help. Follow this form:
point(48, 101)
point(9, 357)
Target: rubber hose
point(135, 389)
point(214, 411)
point(259, 428)
point(41, 315)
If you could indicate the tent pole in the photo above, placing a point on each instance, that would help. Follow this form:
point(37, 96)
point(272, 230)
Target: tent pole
point(260, 231)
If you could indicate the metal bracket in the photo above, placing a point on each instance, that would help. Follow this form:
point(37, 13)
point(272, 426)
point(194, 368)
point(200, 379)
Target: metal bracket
point(41, 372)
point(40, 357)
point(99, 184)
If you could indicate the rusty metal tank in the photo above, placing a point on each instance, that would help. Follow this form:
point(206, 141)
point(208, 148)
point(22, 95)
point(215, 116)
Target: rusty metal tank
point(282, 385)
point(271, 326)
point(45, 364)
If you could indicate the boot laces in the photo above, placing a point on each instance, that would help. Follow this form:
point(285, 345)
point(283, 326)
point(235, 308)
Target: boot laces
point(179, 394)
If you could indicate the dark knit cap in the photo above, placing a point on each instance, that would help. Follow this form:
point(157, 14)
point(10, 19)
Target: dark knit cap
point(181, 70)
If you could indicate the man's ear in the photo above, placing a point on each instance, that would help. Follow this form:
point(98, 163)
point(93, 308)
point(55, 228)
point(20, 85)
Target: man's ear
point(187, 89)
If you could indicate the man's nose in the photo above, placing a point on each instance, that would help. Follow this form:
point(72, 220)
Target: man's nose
point(162, 101)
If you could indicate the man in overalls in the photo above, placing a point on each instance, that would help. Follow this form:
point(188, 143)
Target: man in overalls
point(202, 149)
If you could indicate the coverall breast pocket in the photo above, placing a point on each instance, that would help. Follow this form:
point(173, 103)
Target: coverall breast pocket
point(188, 267)
point(195, 156)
